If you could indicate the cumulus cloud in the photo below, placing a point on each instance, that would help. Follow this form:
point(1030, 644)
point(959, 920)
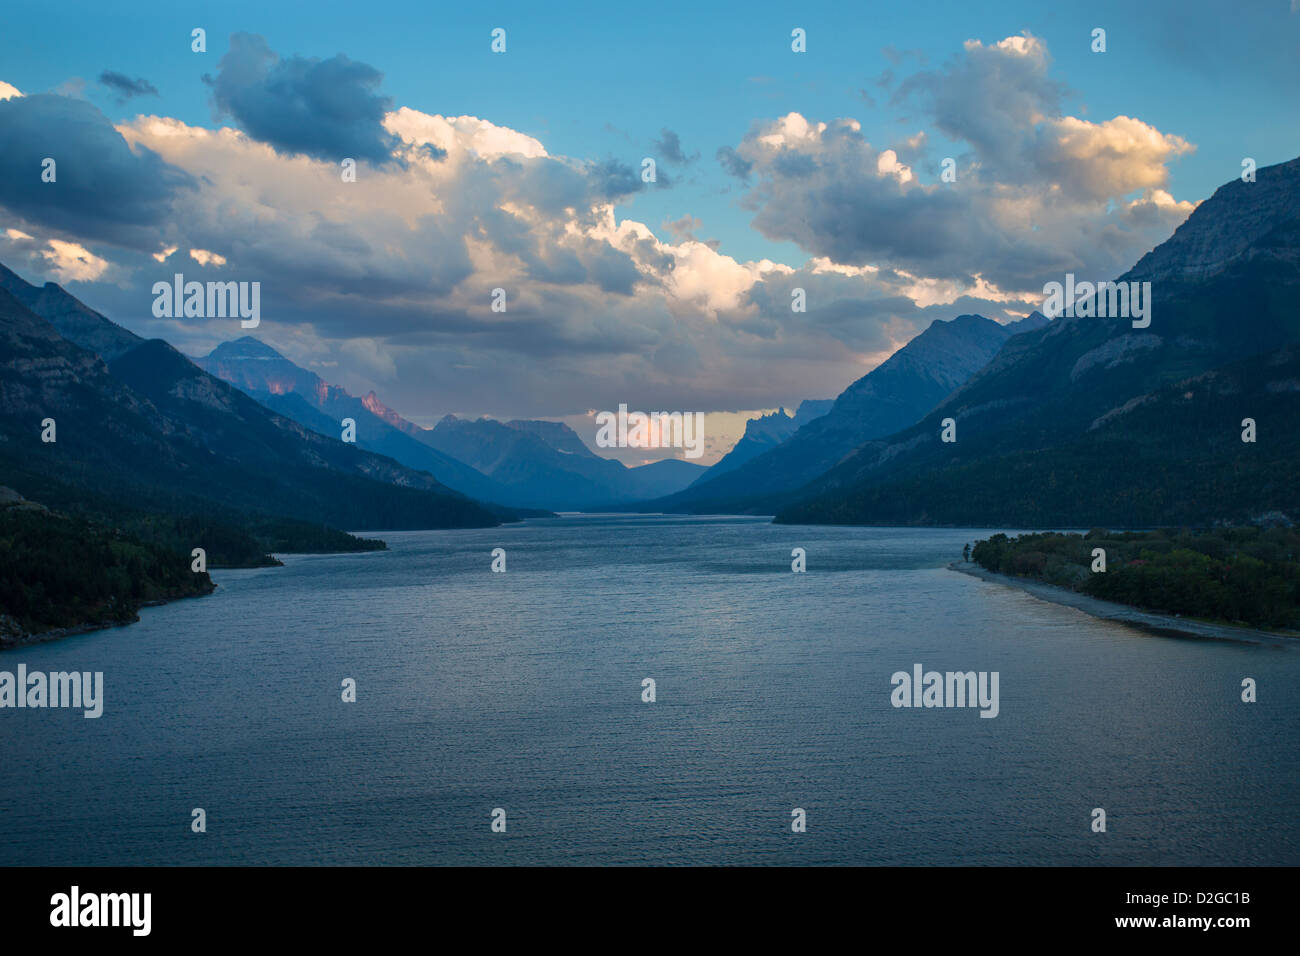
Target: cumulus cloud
point(328, 109)
point(1037, 193)
point(103, 189)
point(1105, 160)
point(406, 258)
point(390, 279)
point(1001, 100)
point(988, 96)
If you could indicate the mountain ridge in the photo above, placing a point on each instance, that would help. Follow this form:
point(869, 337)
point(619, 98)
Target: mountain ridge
point(153, 429)
point(262, 372)
point(892, 395)
point(1058, 394)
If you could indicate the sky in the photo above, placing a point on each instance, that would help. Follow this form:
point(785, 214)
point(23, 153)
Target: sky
point(523, 170)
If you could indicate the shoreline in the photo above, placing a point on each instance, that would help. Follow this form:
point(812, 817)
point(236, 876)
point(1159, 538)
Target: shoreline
point(8, 642)
point(1152, 622)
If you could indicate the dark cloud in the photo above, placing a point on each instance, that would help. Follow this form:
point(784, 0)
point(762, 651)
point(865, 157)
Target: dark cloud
point(610, 270)
point(612, 180)
point(327, 109)
point(103, 189)
point(733, 163)
point(125, 87)
point(669, 148)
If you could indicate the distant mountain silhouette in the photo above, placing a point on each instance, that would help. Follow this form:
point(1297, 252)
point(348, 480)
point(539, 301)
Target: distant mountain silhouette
point(546, 465)
point(1089, 421)
point(297, 393)
point(153, 431)
point(892, 396)
point(521, 464)
point(765, 433)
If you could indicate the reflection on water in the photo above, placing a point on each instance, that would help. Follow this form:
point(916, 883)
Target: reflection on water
point(523, 691)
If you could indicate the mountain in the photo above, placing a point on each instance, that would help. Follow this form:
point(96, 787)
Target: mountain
point(521, 464)
point(152, 431)
point(765, 433)
point(1229, 229)
point(663, 477)
point(294, 392)
point(75, 321)
point(546, 465)
point(890, 397)
point(1089, 421)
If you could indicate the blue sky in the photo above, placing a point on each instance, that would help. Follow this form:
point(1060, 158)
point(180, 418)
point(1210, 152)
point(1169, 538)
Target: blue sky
point(599, 79)
point(1206, 83)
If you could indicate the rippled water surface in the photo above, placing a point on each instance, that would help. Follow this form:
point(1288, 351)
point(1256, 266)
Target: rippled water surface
point(523, 691)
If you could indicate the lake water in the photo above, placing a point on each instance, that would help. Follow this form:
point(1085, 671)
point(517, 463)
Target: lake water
point(523, 691)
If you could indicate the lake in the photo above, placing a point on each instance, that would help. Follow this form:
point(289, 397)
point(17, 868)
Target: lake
point(523, 691)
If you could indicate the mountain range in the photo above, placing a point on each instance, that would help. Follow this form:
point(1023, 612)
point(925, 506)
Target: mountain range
point(892, 396)
point(539, 461)
point(303, 396)
point(1089, 421)
point(1076, 421)
point(149, 430)
point(523, 464)
point(765, 433)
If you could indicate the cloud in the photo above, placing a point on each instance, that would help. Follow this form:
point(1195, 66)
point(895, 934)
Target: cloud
point(1001, 100)
point(989, 96)
point(407, 256)
point(669, 148)
point(468, 135)
point(74, 263)
point(103, 189)
point(686, 227)
point(733, 163)
point(611, 179)
point(73, 86)
point(326, 109)
point(1037, 193)
point(205, 258)
point(390, 279)
point(1105, 160)
point(64, 261)
point(125, 87)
